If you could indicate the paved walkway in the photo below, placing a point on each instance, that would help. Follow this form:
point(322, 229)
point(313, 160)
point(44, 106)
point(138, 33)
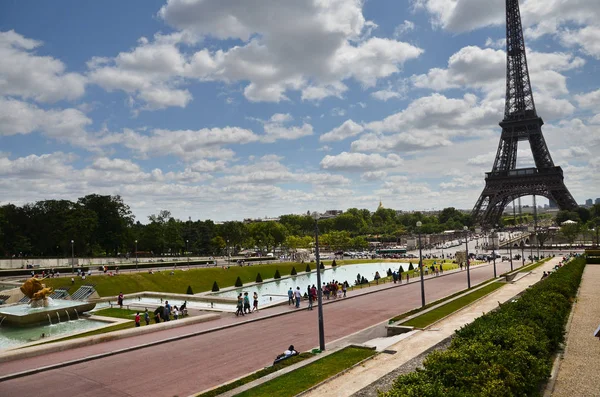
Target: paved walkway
point(372, 371)
point(578, 374)
point(199, 362)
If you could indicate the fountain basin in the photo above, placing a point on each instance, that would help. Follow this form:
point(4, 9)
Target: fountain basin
point(22, 315)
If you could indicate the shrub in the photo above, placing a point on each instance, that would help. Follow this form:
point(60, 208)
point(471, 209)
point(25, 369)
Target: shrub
point(259, 278)
point(401, 270)
point(277, 275)
point(507, 352)
point(411, 267)
point(333, 264)
point(189, 290)
point(307, 270)
point(322, 266)
point(238, 282)
point(215, 287)
point(294, 272)
point(389, 272)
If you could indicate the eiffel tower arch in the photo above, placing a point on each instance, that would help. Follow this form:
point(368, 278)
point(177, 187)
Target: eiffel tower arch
point(506, 183)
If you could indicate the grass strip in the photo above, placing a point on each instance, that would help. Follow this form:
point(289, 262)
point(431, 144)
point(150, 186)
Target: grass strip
point(434, 315)
point(533, 266)
point(303, 378)
point(437, 302)
point(256, 375)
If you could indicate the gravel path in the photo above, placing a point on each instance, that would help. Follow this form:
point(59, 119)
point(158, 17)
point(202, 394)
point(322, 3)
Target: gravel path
point(578, 374)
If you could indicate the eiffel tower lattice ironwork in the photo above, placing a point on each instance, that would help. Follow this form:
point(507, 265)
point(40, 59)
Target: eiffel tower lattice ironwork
point(506, 183)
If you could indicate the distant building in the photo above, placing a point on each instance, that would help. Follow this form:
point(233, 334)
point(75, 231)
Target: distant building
point(250, 220)
point(331, 214)
point(589, 203)
point(553, 204)
point(598, 200)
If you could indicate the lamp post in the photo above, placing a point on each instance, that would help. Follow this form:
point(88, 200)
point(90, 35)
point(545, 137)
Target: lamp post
point(73, 256)
point(319, 294)
point(523, 253)
point(510, 252)
point(494, 237)
point(136, 257)
point(187, 252)
point(466, 229)
point(419, 224)
point(228, 251)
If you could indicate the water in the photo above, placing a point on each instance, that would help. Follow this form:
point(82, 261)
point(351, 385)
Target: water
point(276, 291)
point(11, 337)
point(68, 316)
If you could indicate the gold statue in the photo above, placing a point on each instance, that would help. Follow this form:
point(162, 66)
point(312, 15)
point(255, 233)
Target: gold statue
point(36, 292)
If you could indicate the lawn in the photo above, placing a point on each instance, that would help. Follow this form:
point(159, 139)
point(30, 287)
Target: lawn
point(305, 377)
point(257, 375)
point(200, 280)
point(434, 315)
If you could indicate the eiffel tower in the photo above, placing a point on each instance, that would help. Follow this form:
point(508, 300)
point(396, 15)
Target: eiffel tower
point(506, 182)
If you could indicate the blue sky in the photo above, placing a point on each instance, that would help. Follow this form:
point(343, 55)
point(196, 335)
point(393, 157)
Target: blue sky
point(226, 109)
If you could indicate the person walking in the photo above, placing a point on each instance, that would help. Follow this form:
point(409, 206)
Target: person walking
point(290, 296)
point(310, 299)
point(120, 299)
point(246, 303)
point(255, 303)
point(344, 288)
point(240, 305)
point(298, 296)
point(147, 317)
point(137, 319)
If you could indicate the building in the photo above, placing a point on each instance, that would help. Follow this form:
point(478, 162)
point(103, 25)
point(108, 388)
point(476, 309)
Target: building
point(589, 202)
point(598, 200)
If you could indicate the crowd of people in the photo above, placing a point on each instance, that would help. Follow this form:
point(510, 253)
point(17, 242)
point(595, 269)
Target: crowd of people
point(243, 304)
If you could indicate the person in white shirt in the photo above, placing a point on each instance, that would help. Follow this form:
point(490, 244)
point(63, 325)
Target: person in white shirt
point(297, 296)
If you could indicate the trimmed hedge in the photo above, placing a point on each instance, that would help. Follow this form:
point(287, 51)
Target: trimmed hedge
point(189, 290)
point(307, 270)
point(333, 264)
point(401, 270)
point(259, 278)
point(215, 287)
point(277, 275)
point(238, 282)
point(411, 267)
point(507, 352)
point(294, 272)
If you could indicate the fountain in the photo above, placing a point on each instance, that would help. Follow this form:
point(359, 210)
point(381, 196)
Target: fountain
point(68, 316)
point(40, 306)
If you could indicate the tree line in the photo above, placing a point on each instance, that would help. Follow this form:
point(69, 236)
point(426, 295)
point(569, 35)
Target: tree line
point(97, 225)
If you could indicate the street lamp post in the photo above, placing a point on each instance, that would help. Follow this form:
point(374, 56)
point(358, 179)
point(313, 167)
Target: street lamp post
point(73, 256)
point(419, 224)
point(136, 256)
point(187, 252)
point(510, 253)
point(494, 237)
point(466, 229)
point(319, 294)
point(523, 253)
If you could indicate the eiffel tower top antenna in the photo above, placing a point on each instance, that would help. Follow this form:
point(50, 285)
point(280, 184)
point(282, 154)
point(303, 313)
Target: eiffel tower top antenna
point(519, 96)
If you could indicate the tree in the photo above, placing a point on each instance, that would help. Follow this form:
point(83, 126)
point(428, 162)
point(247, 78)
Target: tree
point(215, 287)
point(307, 270)
point(114, 219)
point(293, 273)
point(570, 232)
point(189, 290)
point(277, 275)
point(238, 282)
point(259, 278)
